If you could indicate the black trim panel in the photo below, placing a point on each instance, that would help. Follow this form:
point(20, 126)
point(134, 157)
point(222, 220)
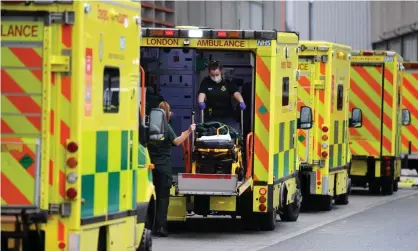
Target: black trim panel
point(335, 169)
point(112, 216)
point(141, 212)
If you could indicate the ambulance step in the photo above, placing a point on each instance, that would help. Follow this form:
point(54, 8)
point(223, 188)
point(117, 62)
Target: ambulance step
point(207, 184)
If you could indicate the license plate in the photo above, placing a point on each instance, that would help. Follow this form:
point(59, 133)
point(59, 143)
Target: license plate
point(11, 147)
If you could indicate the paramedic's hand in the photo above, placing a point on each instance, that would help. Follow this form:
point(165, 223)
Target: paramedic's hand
point(192, 128)
point(202, 105)
point(242, 105)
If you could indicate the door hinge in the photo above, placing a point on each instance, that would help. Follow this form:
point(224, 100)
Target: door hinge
point(64, 209)
point(60, 63)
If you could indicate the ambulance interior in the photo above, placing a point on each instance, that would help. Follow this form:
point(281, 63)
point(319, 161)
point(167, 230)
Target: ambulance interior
point(175, 74)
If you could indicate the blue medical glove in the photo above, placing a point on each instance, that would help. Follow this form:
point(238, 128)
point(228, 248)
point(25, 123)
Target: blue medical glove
point(242, 105)
point(202, 105)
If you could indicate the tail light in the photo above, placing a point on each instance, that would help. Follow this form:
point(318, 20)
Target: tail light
point(221, 34)
point(324, 137)
point(324, 154)
point(262, 191)
point(325, 128)
point(72, 147)
point(262, 199)
point(262, 207)
point(72, 162)
point(71, 193)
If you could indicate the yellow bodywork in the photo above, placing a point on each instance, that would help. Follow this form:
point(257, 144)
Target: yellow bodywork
point(275, 124)
point(323, 85)
point(380, 137)
point(73, 142)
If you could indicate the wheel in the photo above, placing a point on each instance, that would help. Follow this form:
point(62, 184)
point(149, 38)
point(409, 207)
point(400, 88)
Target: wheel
point(267, 221)
point(387, 186)
point(396, 186)
point(291, 211)
point(374, 187)
point(146, 241)
point(325, 202)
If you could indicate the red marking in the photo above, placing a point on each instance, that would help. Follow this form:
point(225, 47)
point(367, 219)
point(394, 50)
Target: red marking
point(207, 176)
point(62, 183)
point(304, 81)
point(11, 194)
point(410, 87)
point(318, 175)
point(322, 68)
point(265, 118)
point(388, 75)
point(255, 177)
point(66, 35)
point(52, 119)
point(320, 121)
point(354, 132)
point(415, 75)
point(368, 148)
point(61, 231)
point(24, 104)
point(30, 58)
point(368, 79)
point(261, 152)
point(66, 87)
point(5, 128)
point(321, 95)
point(51, 172)
point(413, 109)
point(53, 78)
point(65, 133)
point(263, 72)
point(370, 104)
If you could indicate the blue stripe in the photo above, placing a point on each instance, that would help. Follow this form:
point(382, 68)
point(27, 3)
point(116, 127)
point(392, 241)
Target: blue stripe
point(124, 151)
point(276, 166)
point(286, 164)
point(134, 188)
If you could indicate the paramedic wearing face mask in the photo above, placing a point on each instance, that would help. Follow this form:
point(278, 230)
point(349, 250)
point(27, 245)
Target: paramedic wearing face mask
point(215, 96)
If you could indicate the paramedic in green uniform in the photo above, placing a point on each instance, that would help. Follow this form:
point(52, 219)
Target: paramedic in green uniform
point(217, 92)
point(160, 154)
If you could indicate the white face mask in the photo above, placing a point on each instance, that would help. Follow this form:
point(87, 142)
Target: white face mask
point(217, 79)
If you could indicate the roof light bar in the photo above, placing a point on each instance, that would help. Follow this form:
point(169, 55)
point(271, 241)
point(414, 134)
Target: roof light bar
point(410, 65)
point(367, 53)
point(195, 33)
point(390, 53)
point(355, 53)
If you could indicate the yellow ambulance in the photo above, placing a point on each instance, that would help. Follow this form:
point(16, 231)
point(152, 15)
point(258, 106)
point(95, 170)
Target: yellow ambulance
point(324, 151)
point(376, 87)
point(73, 174)
point(254, 177)
point(410, 132)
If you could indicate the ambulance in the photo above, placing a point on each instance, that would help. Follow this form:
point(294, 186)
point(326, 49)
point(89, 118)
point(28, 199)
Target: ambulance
point(409, 153)
point(376, 88)
point(255, 174)
point(74, 175)
point(324, 151)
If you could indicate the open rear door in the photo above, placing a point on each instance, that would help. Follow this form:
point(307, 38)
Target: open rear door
point(26, 114)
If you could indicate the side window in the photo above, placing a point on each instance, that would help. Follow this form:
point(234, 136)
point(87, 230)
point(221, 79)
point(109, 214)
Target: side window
point(340, 97)
point(285, 91)
point(111, 85)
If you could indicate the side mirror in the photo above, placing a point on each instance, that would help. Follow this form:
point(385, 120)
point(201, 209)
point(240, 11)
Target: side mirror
point(157, 124)
point(305, 120)
point(406, 117)
point(356, 120)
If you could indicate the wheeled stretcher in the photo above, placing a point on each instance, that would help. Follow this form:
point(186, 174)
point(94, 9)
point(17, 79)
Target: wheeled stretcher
point(216, 161)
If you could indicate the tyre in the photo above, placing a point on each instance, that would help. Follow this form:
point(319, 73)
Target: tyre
point(374, 187)
point(146, 241)
point(267, 221)
point(325, 203)
point(291, 211)
point(387, 186)
point(396, 186)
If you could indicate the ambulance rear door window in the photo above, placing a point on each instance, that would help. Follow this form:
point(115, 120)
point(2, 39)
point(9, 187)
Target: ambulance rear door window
point(340, 97)
point(285, 91)
point(111, 85)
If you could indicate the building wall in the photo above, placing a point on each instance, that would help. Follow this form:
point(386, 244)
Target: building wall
point(335, 21)
point(395, 27)
point(232, 14)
